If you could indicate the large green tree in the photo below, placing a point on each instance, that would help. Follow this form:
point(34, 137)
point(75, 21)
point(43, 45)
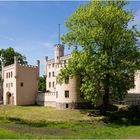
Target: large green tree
point(7, 56)
point(109, 49)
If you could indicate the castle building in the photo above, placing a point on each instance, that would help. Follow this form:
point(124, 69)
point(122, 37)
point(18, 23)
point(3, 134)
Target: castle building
point(20, 83)
point(1, 92)
point(1, 86)
point(66, 95)
point(136, 89)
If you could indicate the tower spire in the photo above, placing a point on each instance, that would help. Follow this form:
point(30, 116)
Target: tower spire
point(58, 33)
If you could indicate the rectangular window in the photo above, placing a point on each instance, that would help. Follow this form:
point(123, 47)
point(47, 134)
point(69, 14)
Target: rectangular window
point(56, 94)
point(11, 74)
point(49, 74)
point(49, 65)
point(56, 81)
point(53, 73)
point(49, 84)
point(53, 65)
point(21, 84)
point(11, 84)
point(6, 75)
point(64, 61)
point(66, 93)
point(6, 84)
point(66, 80)
point(53, 84)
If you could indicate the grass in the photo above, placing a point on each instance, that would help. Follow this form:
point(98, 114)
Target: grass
point(5, 134)
point(35, 122)
point(44, 113)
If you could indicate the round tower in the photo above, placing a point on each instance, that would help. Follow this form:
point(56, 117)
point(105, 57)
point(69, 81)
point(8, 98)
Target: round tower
point(58, 52)
point(69, 95)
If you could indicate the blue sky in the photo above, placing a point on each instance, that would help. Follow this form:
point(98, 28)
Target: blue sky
point(31, 28)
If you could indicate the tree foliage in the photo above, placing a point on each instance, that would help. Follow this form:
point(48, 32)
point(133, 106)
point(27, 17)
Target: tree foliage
point(109, 49)
point(7, 56)
point(42, 84)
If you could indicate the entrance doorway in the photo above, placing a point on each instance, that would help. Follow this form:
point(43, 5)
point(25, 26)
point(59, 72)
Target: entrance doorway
point(67, 105)
point(9, 98)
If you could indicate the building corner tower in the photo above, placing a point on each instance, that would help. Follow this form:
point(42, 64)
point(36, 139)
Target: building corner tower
point(58, 52)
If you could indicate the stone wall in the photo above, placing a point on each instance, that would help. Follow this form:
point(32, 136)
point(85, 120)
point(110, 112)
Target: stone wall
point(73, 105)
point(46, 99)
point(41, 99)
point(132, 99)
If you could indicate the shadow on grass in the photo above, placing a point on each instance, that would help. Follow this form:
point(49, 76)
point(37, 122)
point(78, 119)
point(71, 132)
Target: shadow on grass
point(41, 123)
point(126, 115)
point(47, 124)
point(121, 116)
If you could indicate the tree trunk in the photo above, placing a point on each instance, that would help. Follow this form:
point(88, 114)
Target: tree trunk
point(106, 94)
point(106, 98)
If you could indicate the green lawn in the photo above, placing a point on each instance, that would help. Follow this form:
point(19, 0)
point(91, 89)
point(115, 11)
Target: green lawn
point(44, 113)
point(44, 122)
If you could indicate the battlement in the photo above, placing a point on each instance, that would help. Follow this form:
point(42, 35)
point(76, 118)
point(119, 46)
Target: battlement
point(23, 65)
point(58, 45)
point(65, 57)
point(28, 66)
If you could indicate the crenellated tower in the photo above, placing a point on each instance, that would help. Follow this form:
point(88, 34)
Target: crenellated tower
point(58, 52)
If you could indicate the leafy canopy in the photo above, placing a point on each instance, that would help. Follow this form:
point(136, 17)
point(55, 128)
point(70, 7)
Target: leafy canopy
point(7, 56)
point(109, 50)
